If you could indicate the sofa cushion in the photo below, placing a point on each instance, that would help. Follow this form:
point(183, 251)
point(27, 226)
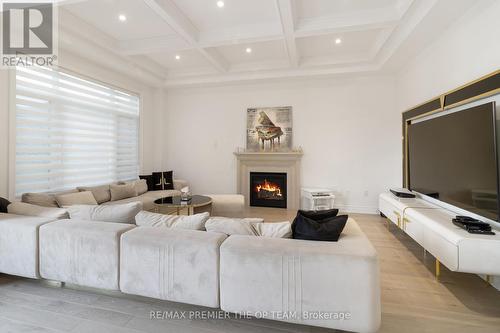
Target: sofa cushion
point(171, 264)
point(22, 208)
point(274, 230)
point(101, 193)
point(141, 186)
point(192, 222)
point(19, 244)
point(3, 205)
point(122, 191)
point(124, 213)
point(85, 253)
point(40, 199)
point(328, 229)
point(232, 226)
point(78, 198)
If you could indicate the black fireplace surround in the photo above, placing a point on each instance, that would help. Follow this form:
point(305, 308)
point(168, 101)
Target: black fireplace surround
point(268, 189)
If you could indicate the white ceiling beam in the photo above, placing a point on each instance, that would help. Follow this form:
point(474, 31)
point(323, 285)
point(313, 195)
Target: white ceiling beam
point(175, 18)
point(180, 23)
point(418, 11)
point(287, 19)
point(370, 20)
point(217, 60)
point(242, 34)
point(380, 41)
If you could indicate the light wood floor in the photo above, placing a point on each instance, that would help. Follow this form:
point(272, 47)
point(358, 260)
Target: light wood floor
point(412, 299)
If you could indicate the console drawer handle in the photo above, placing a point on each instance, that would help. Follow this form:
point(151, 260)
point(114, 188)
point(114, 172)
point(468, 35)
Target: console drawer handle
point(405, 221)
point(398, 217)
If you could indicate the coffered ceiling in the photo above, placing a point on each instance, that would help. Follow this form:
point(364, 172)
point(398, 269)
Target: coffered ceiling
point(183, 42)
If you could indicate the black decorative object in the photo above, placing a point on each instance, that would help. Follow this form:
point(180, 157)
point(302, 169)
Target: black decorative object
point(163, 180)
point(3, 205)
point(319, 226)
point(149, 181)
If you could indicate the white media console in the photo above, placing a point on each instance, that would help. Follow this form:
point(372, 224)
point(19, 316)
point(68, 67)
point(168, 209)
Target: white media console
point(431, 226)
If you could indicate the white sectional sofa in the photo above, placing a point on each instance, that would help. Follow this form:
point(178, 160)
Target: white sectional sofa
point(243, 274)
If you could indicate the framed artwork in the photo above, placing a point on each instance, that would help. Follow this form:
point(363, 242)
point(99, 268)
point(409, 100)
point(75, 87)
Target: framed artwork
point(269, 129)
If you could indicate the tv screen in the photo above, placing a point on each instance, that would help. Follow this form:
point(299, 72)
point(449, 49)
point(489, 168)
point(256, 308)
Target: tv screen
point(453, 158)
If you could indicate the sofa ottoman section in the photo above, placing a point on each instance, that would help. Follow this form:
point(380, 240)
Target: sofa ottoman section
point(227, 205)
point(327, 284)
point(171, 264)
point(19, 244)
point(84, 253)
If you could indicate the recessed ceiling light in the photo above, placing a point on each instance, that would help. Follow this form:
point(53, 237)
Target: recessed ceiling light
point(220, 4)
point(177, 57)
point(122, 17)
point(248, 50)
point(338, 41)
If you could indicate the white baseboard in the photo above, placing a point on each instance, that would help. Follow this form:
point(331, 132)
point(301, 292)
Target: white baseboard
point(357, 209)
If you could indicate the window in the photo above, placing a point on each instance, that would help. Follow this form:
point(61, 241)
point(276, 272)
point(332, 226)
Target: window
point(72, 132)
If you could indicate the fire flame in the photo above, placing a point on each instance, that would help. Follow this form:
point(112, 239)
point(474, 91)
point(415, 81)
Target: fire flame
point(270, 187)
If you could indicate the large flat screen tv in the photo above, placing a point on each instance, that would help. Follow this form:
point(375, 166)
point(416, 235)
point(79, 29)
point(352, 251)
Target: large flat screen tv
point(454, 158)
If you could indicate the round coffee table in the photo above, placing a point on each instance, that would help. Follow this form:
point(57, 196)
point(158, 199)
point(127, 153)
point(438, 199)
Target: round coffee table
point(176, 204)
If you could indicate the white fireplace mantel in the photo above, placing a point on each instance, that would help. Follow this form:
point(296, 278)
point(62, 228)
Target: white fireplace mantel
point(286, 162)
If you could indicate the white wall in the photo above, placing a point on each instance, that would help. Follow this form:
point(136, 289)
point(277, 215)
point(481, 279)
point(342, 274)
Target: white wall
point(152, 100)
point(348, 128)
point(467, 50)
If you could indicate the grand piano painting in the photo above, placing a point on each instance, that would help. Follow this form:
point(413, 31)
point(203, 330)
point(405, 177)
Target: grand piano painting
point(269, 129)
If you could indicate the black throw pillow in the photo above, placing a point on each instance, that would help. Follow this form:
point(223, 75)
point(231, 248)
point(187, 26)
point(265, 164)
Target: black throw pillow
point(3, 205)
point(327, 229)
point(163, 180)
point(316, 215)
point(149, 181)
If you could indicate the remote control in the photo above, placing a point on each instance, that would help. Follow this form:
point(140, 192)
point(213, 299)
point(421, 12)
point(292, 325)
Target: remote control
point(465, 218)
point(480, 232)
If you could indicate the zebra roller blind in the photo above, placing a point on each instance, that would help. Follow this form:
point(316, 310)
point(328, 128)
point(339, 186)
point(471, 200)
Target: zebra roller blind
point(71, 132)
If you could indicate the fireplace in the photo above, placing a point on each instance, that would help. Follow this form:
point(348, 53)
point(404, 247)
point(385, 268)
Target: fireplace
point(268, 189)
